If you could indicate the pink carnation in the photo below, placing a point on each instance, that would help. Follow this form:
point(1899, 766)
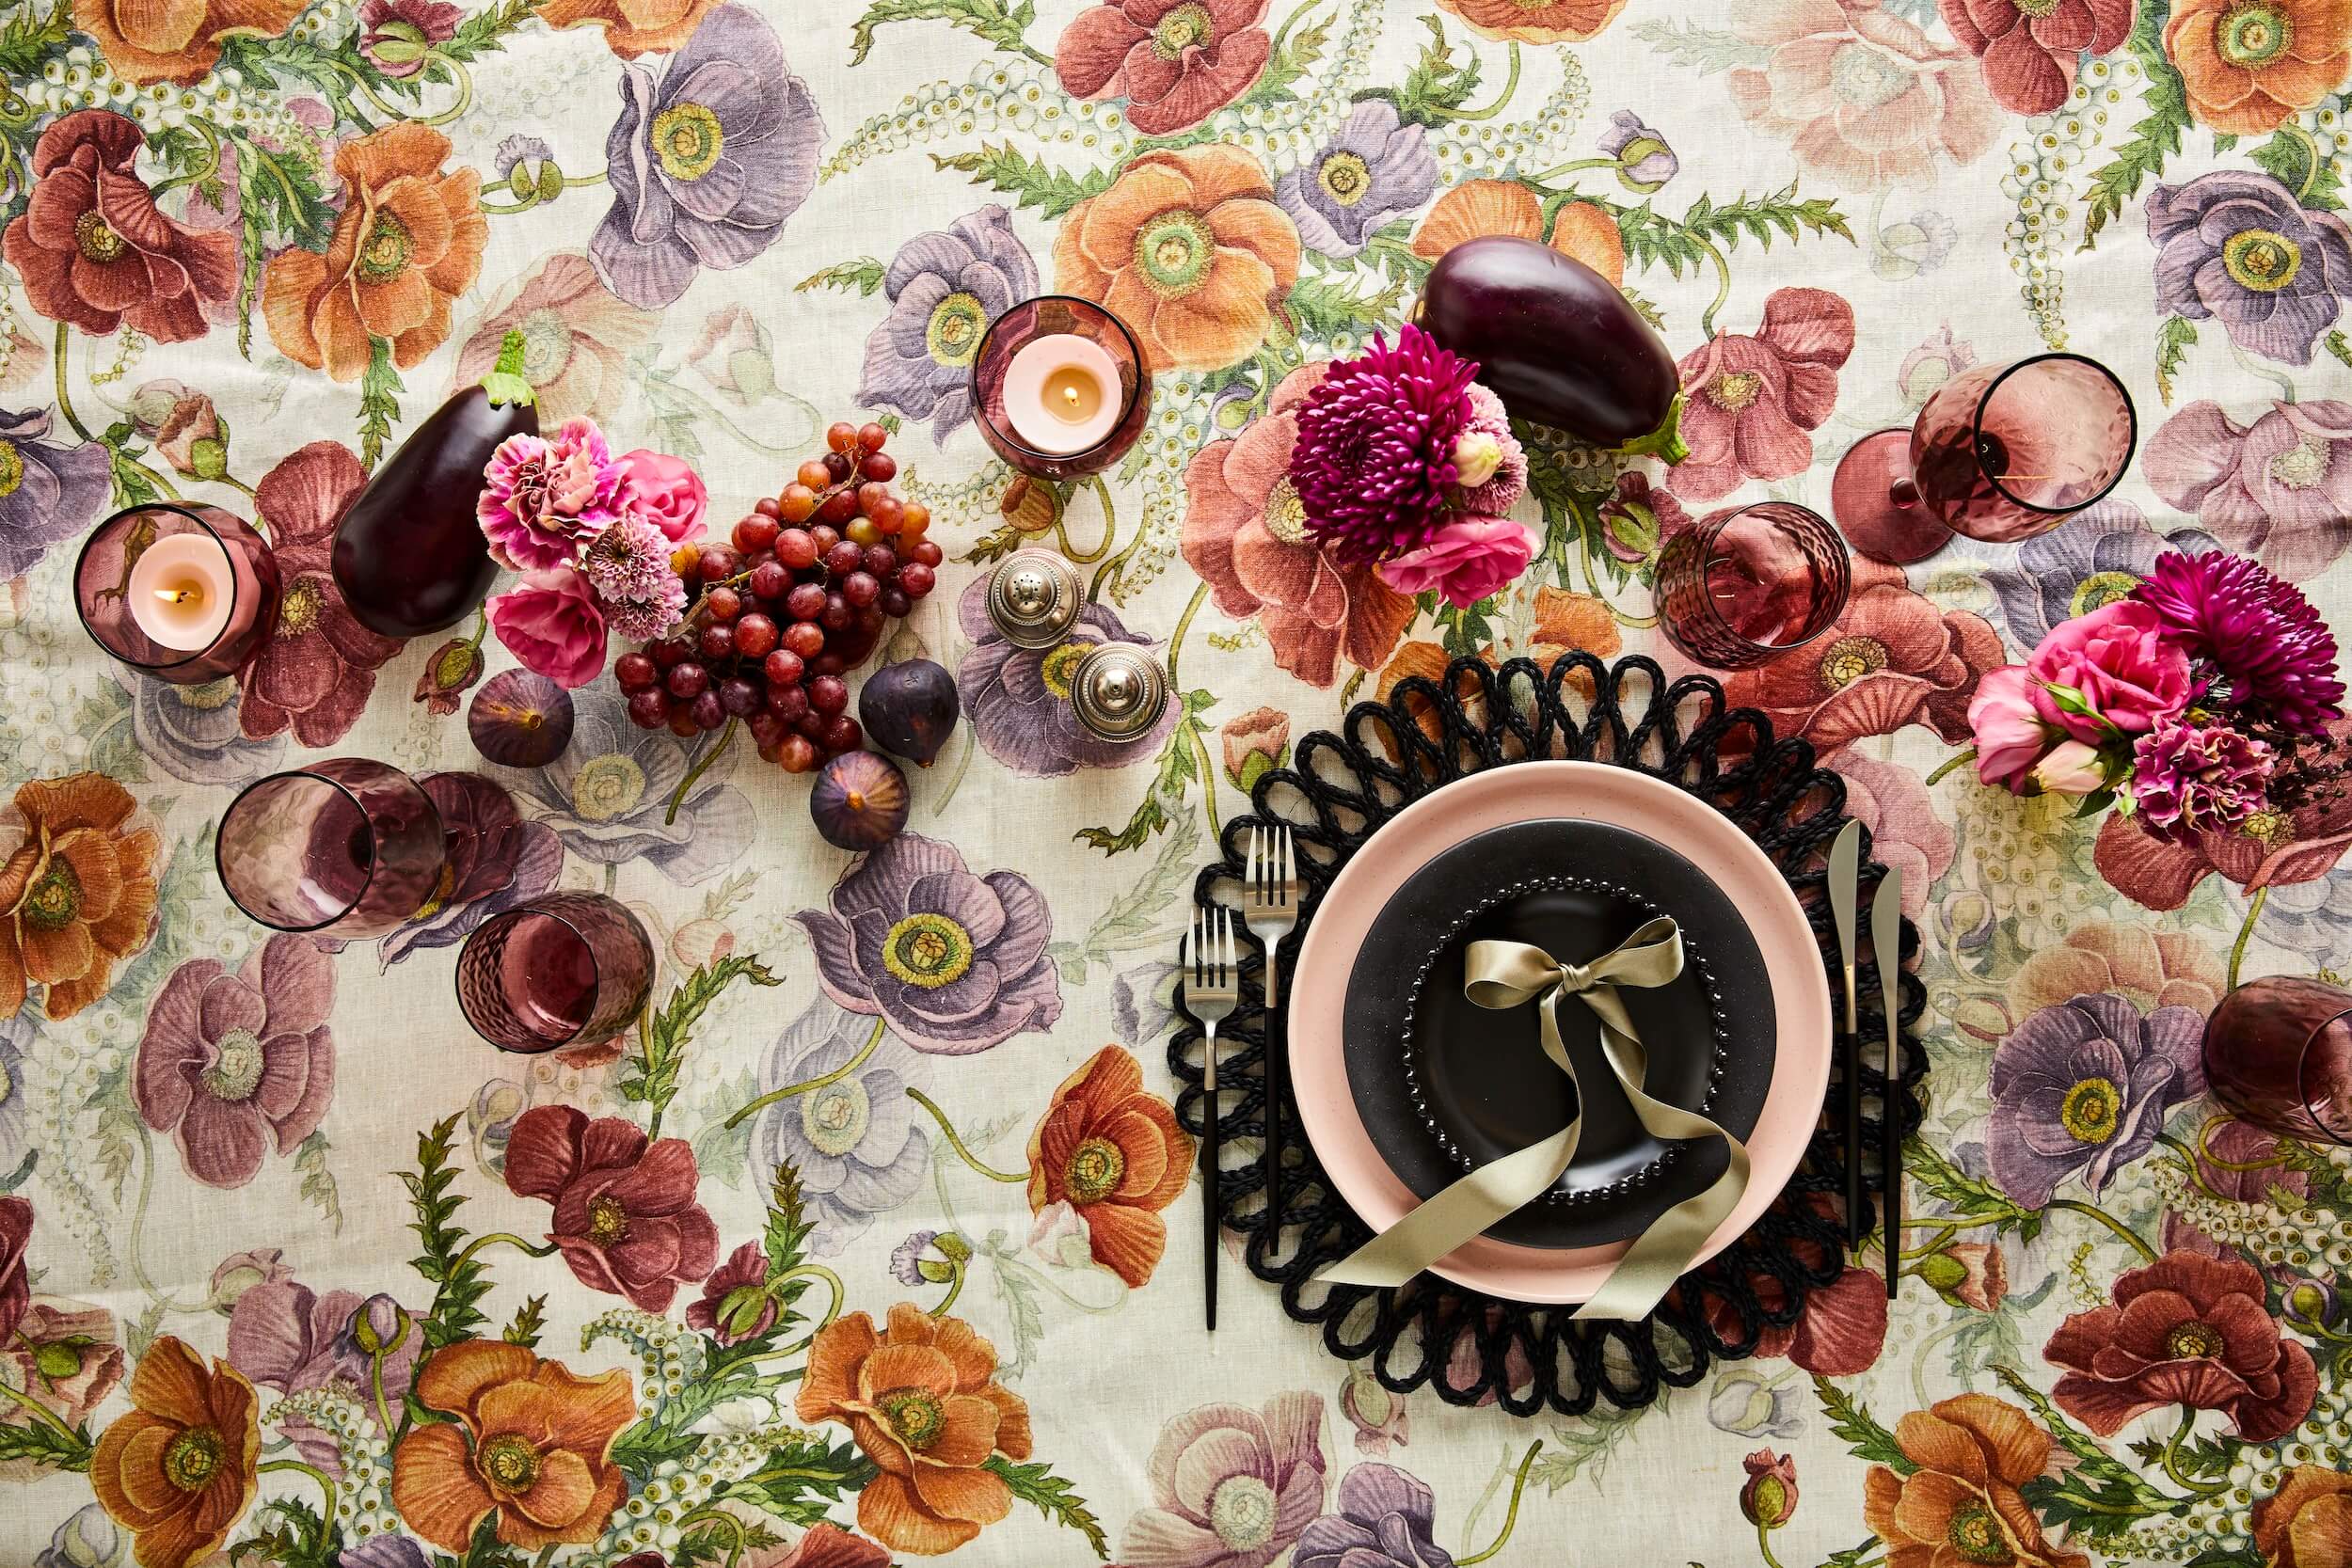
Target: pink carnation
point(2190, 778)
point(669, 493)
point(551, 621)
point(1488, 423)
point(542, 498)
point(1464, 562)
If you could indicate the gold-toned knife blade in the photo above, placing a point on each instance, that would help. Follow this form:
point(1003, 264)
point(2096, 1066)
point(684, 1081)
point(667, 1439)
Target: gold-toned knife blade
point(1844, 871)
point(1886, 942)
point(1886, 946)
point(1844, 892)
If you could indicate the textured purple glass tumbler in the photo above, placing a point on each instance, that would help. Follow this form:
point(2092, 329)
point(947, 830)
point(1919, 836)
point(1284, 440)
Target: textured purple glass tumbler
point(2279, 1054)
point(1742, 586)
point(1998, 454)
point(186, 593)
point(567, 969)
point(348, 847)
point(1059, 388)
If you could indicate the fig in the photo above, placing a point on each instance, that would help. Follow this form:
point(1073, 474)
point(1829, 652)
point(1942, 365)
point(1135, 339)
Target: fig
point(911, 708)
point(860, 801)
point(1557, 343)
point(520, 719)
point(409, 554)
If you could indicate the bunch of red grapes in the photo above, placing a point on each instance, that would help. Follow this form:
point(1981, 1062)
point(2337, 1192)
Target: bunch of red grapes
point(798, 600)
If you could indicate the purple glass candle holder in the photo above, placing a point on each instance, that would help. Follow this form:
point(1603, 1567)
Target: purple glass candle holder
point(347, 848)
point(1102, 337)
point(2279, 1054)
point(1746, 585)
point(219, 550)
point(566, 969)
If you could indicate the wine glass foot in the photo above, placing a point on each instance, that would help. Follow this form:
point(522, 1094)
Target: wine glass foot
point(1862, 502)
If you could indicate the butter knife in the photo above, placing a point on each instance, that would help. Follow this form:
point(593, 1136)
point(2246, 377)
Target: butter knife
point(1886, 946)
point(1844, 869)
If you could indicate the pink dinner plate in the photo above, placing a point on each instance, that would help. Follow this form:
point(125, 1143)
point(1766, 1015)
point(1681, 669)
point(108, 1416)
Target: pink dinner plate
point(1494, 798)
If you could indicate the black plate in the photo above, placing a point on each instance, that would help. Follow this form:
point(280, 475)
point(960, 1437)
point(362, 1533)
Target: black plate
point(1479, 1075)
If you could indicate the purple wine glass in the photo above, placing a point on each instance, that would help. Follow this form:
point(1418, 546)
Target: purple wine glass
point(566, 969)
point(1998, 454)
point(348, 847)
point(139, 567)
point(2279, 1054)
point(1012, 417)
point(1746, 585)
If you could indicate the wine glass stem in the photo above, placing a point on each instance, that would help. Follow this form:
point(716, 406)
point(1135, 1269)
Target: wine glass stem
point(1904, 493)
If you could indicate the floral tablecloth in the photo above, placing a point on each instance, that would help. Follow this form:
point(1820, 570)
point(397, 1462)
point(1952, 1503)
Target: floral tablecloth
point(877, 1241)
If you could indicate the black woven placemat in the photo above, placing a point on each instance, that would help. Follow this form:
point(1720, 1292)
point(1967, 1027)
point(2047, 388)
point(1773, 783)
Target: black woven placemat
point(1466, 1346)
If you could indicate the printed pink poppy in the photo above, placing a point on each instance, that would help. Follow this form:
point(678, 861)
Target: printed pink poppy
point(2031, 51)
point(2279, 487)
point(288, 1337)
point(230, 1064)
point(1176, 62)
point(1246, 534)
point(626, 1217)
point(1753, 401)
point(2268, 850)
point(1905, 831)
point(315, 674)
point(1866, 98)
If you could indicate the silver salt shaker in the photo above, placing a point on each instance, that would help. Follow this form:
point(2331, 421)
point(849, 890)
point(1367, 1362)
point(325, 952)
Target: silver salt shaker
point(1119, 691)
point(1033, 598)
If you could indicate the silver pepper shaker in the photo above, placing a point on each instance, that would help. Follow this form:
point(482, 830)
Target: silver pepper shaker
point(1119, 691)
point(1033, 598)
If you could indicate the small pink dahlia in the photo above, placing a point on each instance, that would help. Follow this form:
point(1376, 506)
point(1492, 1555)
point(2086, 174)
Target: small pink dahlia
point(541, 498)
point(1490, 463)
point(2190, 776)
point(1374, 464)
point(630, 565)
point(2259, 633)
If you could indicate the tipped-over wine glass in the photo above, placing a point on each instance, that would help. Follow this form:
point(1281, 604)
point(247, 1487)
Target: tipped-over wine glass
point(1998, 454)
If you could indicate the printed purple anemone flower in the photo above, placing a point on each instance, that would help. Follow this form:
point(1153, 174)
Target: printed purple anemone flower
point(287, 1337)
point(543, 498)
point(853, 1139)
point(2081, 1088)
point(194, 732)
point(2278, 488)
point(944, 289)
point(2262, 634)
point(2237, 245)
point(2190, 778)
point(630, 565)
point(52, 493)
point(2094, 558)
point(1373, 169)
point(954, 964)
point(1017, 700)
point(1374, 455)
point(231, 1064)
point(708, 160)
point(497, 860)
point(1383, 1517)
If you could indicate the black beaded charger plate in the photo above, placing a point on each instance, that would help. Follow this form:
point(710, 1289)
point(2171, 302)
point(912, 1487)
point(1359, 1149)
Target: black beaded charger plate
point(1466, 1346)
point(1474, 1084)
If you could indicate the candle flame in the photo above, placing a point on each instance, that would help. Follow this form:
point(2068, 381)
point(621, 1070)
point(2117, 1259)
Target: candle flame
point(1071, 394)
point(178, 595)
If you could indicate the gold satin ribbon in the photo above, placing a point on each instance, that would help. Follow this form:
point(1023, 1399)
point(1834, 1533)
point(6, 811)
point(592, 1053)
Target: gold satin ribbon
point(1507, 974)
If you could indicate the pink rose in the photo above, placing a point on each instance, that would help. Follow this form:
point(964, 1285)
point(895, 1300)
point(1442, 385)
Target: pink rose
point(1465, 561)
point(2010, 735)
point(2125, 672)
point(2069, 768)
point(551, 621)
point(670, 494)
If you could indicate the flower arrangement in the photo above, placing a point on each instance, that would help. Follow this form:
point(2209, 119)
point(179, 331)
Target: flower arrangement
point(592, 535)
point(2197, 702)
point(1405, 464)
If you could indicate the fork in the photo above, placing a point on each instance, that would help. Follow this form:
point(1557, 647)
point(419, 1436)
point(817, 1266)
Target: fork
point(1211, 990)
point(1269, 905)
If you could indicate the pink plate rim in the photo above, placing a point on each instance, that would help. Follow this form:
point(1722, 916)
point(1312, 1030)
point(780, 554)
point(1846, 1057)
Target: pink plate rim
point(1496, 797)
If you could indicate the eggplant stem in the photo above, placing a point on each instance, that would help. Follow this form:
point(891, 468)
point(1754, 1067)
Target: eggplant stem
point(506, 385)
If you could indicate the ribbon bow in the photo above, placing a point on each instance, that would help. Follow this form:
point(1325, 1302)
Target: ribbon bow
point(1507, 974)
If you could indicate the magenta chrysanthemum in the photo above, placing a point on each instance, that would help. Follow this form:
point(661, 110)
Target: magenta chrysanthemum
point(1487, 437)
point(1375, 458)
point(2258, 632)
point(2190, 778)
point(630, 565)
point(542, 499)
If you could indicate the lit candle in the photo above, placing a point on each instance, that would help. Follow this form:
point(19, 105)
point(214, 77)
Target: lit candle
point(181, 590)
point(1062, 394)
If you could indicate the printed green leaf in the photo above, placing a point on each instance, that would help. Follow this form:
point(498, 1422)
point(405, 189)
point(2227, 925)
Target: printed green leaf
point(2156, 137)
point(458, 1284)
point(1705, 50)
point(1294, 54)
point(318, 1183)
point(1966, 1199)
point(485, 31)
point(44, 1445)
point(2174, 339)
point(1850, 1421)
point(2339, 346)
point(1438, 83)
point(653, 1068)
point(1173, 773)
point(1000, 25)
point(1322, 307)
point(1652, 239)
point(864, 275)
point(1053, 1496)
point(802, 1478)
point(786, 1238)
point(30, 36)
point(1003, 169)
point(379, 402)
point(2291, 158)
point(528, 1320)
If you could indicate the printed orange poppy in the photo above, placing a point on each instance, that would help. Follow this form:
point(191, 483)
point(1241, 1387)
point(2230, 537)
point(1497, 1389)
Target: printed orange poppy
point(1479, 207)
point(632, 27)
point(1115, 1154)
point(2249, 65)
point(176, 40)
point(178, 1469)
point(78, 890)
point(1537, 21)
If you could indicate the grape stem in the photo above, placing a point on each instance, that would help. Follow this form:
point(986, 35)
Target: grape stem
point(702, 765)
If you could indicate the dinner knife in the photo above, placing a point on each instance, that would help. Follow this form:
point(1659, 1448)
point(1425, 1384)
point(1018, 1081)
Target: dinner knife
point(1886, 946)
point(1844, 869)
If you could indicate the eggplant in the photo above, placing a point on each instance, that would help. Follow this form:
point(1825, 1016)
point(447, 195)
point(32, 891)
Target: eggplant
point(1557, 343)
point(409, 554)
